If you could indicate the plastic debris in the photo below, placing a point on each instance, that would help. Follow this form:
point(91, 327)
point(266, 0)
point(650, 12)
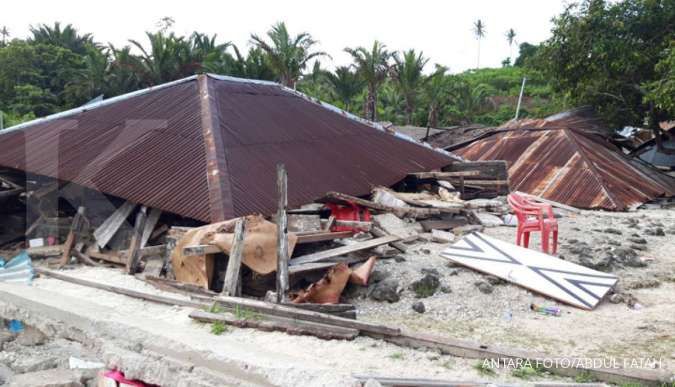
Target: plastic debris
point(18, 270)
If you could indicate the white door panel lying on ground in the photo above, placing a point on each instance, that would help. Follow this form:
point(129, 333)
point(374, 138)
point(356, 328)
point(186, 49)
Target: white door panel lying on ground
point(565, 281)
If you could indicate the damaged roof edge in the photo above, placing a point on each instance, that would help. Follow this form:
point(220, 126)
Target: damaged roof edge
point(95, 105)
point(337, 110)
point(306, 97)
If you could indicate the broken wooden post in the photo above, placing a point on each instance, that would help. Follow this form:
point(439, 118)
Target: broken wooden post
point(230, 285)
point(282, 235)
point(135, 245)
point(71, 239)
point(167, 267)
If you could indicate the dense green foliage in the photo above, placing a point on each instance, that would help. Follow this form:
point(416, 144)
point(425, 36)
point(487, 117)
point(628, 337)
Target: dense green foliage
point(616, 56)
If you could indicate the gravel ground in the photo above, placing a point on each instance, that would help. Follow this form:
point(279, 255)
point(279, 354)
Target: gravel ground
point(461, 309)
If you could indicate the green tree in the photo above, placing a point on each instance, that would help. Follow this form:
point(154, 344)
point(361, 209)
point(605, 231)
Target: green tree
point(479, 33)
point(526, 53)
point(660, 93)
point(604, 54)
point(67, 37)
point(4, 32)
point(407, 74)
point(510, 38)
point(346, 85)
point(288, 55)
point(33, 78)
point(372, 66)
point(435, 93)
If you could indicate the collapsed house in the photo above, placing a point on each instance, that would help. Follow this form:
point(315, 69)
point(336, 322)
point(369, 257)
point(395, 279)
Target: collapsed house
point(118, 180)
point(567, 158)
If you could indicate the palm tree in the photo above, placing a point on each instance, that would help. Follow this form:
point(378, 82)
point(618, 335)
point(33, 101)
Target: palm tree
point(479, 33)
point(287, 55)
point(5, 34)
point(66, 37)
point(372, 66)
point(407, 74)
point(346, 85)
point(511, 38)
point(435, 92)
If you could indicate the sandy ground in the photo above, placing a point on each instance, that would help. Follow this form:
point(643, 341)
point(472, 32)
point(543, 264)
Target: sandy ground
point(612, 331)
point(460, 311)
point(285, 360)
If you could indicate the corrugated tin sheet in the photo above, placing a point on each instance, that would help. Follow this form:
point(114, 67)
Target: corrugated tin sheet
point(150, 148)
point(555, 161)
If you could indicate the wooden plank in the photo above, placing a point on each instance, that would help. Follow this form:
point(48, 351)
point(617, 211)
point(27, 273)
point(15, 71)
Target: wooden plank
point(570, 283)
point(378, 232)
point(71, 239)
point(309, 267)
point(306, 315)
point(550, 202)
point(442, 175)
point(33, 226)
point(175, 286)
point(167, 267)
point(282, 235)
point(135, 244)
point(323, 236)
point(489, 170)
point(119, 290)
point(45, 251)
point(104, 233)
point(324, 308)
point(286, 325)
point(150, 224)
point(233, 270)
point(429, 225)
point(343, 250)
point(399, 211)
point(363, 226)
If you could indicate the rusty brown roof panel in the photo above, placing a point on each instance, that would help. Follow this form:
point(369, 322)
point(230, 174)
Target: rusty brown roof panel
point(569, 166)
point(149, 147)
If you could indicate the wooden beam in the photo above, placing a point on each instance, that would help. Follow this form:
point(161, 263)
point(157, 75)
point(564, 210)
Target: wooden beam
point(233, 270)
point(363, 226)
point(343, 250)
point(104, 233)
point(275, 323)
point(399, 211)
point(167, 266)
point(135, 244)
point(329, 223)
point(45, 251)
point(71, 239)
point(443, 175)
point(150, 224)
point(378, 232)
point(323, 236)
point(309, 267)
point(306, 315)
point(282, 235)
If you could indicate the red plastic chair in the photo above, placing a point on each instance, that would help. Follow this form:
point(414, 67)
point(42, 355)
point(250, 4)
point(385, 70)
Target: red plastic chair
point(531, 218)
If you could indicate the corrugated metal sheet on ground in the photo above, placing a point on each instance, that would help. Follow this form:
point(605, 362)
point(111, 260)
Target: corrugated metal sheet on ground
point(570, 166)
point(149, 148)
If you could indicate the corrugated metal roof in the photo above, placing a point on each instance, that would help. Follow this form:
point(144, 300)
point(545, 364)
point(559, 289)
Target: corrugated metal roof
point(551, 159)
point(163, 146)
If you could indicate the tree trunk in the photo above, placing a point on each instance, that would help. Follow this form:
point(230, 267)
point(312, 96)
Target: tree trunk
point(408, 111)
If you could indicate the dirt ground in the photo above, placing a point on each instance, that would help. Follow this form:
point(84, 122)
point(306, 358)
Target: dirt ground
point(612, 331)
point(458, 309)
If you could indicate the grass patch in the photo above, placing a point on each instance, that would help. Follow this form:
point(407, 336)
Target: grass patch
point(218, 328)
point(584, 377)
point(242, 313)
point(527, 371)
point(214, 308)
point(396, 356)
point(483, 368)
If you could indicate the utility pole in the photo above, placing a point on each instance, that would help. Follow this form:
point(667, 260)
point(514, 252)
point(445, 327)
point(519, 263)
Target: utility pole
point(2, 122)
point(520, 97)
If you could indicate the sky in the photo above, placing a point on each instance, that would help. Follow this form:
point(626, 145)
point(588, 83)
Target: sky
point(442, 29)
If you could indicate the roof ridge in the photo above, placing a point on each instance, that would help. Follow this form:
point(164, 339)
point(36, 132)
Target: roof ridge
point(596, 174)
point(217, 173)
